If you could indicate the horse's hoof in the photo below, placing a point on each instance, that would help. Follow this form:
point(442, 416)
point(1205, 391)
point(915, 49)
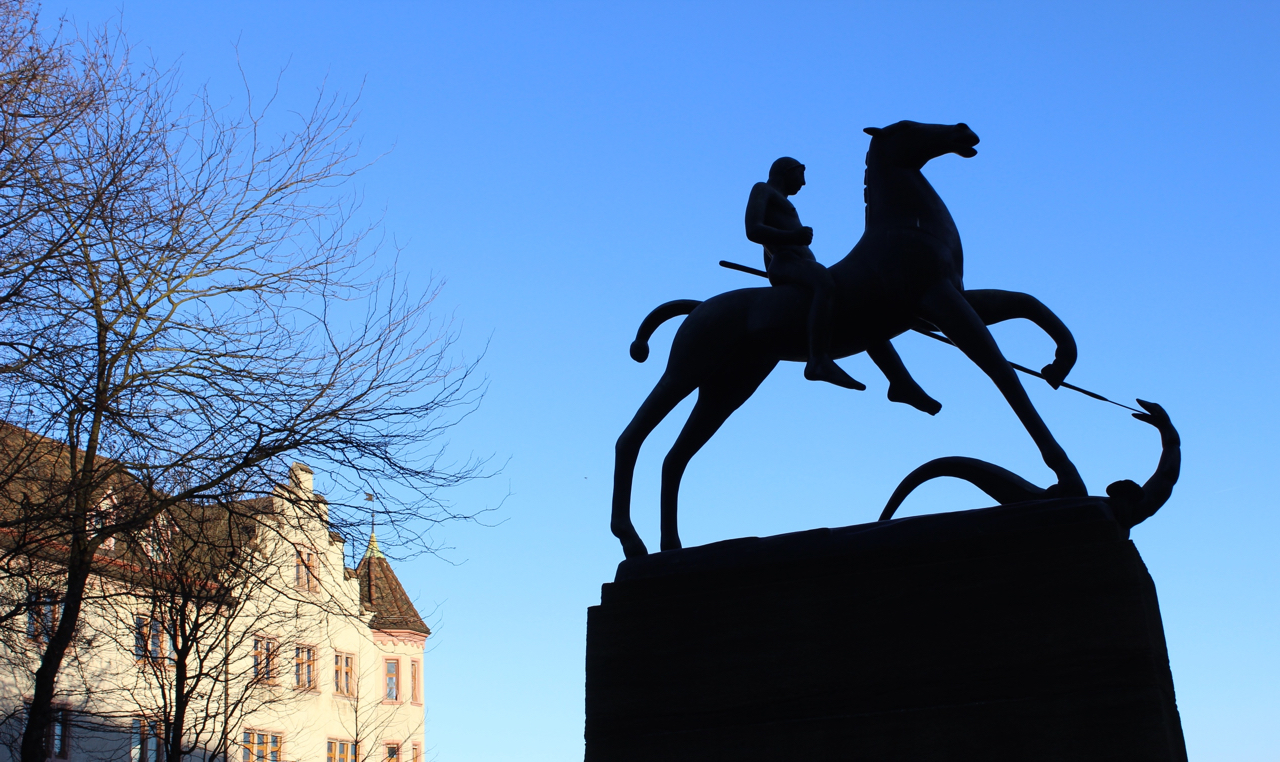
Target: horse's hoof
point(1072, 486)
point(1055, 374)
point(634, 548)
point(632, 545)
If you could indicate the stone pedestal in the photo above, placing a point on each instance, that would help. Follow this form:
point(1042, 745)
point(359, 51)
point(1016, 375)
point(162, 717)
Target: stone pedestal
point(1022, 632)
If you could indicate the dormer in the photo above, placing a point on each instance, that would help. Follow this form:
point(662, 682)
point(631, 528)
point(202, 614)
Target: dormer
point(302, 478)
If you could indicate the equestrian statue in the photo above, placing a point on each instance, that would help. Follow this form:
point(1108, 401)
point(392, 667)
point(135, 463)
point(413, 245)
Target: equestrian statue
point(906, 272)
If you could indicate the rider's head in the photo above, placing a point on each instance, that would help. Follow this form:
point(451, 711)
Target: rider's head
point(787, 175)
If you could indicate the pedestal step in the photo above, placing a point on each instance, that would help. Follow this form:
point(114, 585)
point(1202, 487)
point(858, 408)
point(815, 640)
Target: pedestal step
point(1023, 632)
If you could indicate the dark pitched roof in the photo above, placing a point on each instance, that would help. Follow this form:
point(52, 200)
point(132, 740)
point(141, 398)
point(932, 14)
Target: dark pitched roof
point(381, 593)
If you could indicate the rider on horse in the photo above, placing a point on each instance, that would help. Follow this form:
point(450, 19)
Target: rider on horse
point(773, 222)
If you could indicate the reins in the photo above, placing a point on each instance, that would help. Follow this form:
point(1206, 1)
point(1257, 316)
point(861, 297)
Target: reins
point(945, 340)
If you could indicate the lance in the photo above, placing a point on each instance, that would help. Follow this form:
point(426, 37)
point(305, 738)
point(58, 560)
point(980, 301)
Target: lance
point(945, 340)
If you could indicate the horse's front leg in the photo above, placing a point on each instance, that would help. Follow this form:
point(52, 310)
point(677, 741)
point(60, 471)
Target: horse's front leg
point(948, 309)
point(995, 306)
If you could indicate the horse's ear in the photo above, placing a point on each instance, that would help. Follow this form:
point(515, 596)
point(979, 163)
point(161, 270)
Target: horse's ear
point(873, 131)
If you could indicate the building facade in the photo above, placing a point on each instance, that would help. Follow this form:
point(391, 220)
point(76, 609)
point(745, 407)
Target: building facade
point(306, 660)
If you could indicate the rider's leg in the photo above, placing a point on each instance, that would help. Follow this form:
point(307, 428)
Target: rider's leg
point(902, 387)
point(788, 268)
point(946, 307)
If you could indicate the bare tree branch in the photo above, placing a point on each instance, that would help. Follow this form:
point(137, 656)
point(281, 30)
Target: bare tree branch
point(186, 306)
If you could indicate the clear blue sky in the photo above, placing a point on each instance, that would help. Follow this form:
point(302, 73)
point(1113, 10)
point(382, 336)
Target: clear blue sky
point(567, 167)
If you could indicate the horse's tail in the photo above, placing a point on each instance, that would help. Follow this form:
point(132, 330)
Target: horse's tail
point(640, 347)
point(1000, 484)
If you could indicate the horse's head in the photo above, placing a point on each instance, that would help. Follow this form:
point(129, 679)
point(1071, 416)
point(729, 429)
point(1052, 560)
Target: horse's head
point(911, 144)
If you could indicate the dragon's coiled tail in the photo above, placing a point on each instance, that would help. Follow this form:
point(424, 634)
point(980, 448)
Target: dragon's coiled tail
point(660, 315)
point(1000, 484)
point(1130, 503)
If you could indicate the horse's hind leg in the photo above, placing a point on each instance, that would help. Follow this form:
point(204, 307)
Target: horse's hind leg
point(664, 397)
point(946, 307)
point(716, 402)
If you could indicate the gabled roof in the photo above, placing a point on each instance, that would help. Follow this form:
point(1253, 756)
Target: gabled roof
point(382, 593)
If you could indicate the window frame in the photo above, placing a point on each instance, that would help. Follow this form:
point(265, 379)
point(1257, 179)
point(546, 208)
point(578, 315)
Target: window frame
point(43, 615)
point(57, 736)
point(145, 733)
point(304, 570)
point(156, 539)
point(415, 681)
point(270, 744)
point(304, 664)
point(149, 641)
point(335, 754)
point(266, 659)
point(391, 680)
point(345, 672)
point(387, 756)
point(99, 517)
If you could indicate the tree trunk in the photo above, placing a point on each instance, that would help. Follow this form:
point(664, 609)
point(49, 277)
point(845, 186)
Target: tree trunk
point(40, 712)
point(181, 700)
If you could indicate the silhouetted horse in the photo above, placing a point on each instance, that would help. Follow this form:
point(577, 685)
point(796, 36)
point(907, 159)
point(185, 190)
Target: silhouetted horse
point(905, 272)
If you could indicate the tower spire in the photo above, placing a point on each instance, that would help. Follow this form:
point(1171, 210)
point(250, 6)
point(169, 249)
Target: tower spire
point(373, 551)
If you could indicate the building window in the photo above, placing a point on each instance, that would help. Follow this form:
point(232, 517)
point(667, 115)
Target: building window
point(393, 752)
point(304, 667)
point(148, 638)
point(145, 742)
point(42, 615)
point(344, 677)
point(99, 517)
point(304, 571)
point(415, 681)
point(157, 539)
point(417, 753)
point(57, 739)
point(257, 746)
point(393, 680)
point(265, 652)
point(341, 751)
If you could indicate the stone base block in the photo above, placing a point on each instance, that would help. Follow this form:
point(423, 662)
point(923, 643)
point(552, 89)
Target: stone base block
point(1022, 632)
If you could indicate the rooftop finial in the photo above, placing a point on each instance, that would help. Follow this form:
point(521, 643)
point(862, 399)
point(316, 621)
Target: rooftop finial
point(373, 551)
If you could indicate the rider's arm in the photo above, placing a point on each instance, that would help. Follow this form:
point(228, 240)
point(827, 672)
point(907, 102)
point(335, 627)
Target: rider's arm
point(758, 231)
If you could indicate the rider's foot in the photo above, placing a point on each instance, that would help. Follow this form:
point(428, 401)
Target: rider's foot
point(913, 395)
point(827, 370)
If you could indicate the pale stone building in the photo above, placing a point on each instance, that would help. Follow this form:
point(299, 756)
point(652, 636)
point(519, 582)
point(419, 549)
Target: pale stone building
point(319, 663)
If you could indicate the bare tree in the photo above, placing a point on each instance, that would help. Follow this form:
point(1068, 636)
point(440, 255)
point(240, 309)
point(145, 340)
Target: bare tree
point(41, 96)
point(203, 315)
point(199, 591)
